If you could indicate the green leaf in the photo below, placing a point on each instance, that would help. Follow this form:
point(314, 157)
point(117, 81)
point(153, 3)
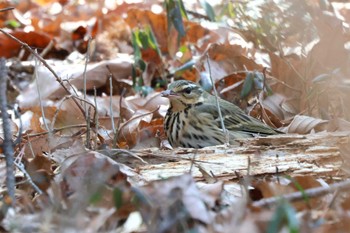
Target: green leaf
point(258, 80)
point(182, 9)
point(247, 85)
point(259, 83)
point(12, 23)
point(188, 65)
point(284, 214)
point(175, 13)
point(145, 90)
point(118, 197)
point(176, 19)
point(96, 197)
point(268, 89)
point(300, 189)
point(136, 44)
point(144, 38)
point(153, 40)
point(183, 49)
point(291, 215)
point(208, 10)
point(142, 64)
point(133, 75)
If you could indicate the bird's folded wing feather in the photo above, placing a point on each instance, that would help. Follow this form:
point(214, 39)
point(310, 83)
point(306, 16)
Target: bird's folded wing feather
point(235, 119)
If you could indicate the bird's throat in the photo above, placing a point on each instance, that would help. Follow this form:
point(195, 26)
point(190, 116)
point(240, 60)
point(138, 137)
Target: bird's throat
point(177, 105)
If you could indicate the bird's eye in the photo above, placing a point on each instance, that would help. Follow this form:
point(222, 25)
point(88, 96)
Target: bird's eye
point(187, 90)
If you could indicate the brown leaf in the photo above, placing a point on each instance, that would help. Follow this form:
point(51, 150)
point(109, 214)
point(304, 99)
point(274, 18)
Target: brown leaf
point(305, 124)
point(274, 104)
point(40, 171)
point(167, 199)
point(10, 48)
point(226, 59)
point(96, 75)
point(89, 171)
point(270, 189)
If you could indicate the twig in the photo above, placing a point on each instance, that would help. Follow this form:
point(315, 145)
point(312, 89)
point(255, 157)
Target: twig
point(21, 167)
point(20, 128)
point(198, 15)
point(7, 9)
point(217, 102)
point(172, 157)
point(293, 68)
point(88, 129)
point(120, 108)
point(39, 95)
point(136, 117)
point(30, 147)
point(87, 111)
point(118, 152)
point(58, 79)
point(53, 131)
point(260, 102)
point(54, 118)
point(62, 101)
point(95, 118)
point(8, 143)
point(296, 196)
point(285, 84)
point(193, 163)
point(115, 136)
point(84, 73)
point(47, 48)
point(264, 81)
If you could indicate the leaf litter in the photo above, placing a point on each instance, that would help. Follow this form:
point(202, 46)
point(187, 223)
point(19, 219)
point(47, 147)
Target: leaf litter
point(290, 76)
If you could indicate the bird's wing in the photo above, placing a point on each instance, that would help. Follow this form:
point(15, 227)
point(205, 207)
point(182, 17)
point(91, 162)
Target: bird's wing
point(235, 119)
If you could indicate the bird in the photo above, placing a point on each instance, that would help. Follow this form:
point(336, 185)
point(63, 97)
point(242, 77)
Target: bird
point(193, 119)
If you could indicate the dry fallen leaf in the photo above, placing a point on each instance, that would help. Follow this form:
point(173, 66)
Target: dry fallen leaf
point(305, 124)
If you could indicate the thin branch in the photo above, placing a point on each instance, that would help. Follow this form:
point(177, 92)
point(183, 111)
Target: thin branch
point(53, 131)
point(88, 130)
point(60, 106)
point(115, 136)
point(118, 152)
point(8, 143)
point(136, 117)
point(120, 108)
point(7, 9)
point(55, 115)
point(172, 158)
point(87, 58)
point(39, 95)
point(20, 128)
point(95, 118)
point(297, 196)
point(58, 79)
point(217, 102)
point(47, 48)
point(21, 167)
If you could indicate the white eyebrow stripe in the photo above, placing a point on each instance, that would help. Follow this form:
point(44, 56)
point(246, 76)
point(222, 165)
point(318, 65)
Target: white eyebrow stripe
point(192, 85)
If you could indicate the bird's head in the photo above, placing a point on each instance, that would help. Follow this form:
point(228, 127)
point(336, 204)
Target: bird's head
point(183, 93)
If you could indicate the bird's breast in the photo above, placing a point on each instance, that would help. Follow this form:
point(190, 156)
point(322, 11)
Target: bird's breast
point(189, 128)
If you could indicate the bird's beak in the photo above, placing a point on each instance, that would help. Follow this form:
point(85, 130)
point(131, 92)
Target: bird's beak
point(169, 94)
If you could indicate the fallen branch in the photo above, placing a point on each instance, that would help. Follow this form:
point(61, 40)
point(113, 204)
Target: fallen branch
point(8, 143)
point(297, 196)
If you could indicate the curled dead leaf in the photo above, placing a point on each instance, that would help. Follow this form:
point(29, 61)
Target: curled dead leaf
point(305, 124)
